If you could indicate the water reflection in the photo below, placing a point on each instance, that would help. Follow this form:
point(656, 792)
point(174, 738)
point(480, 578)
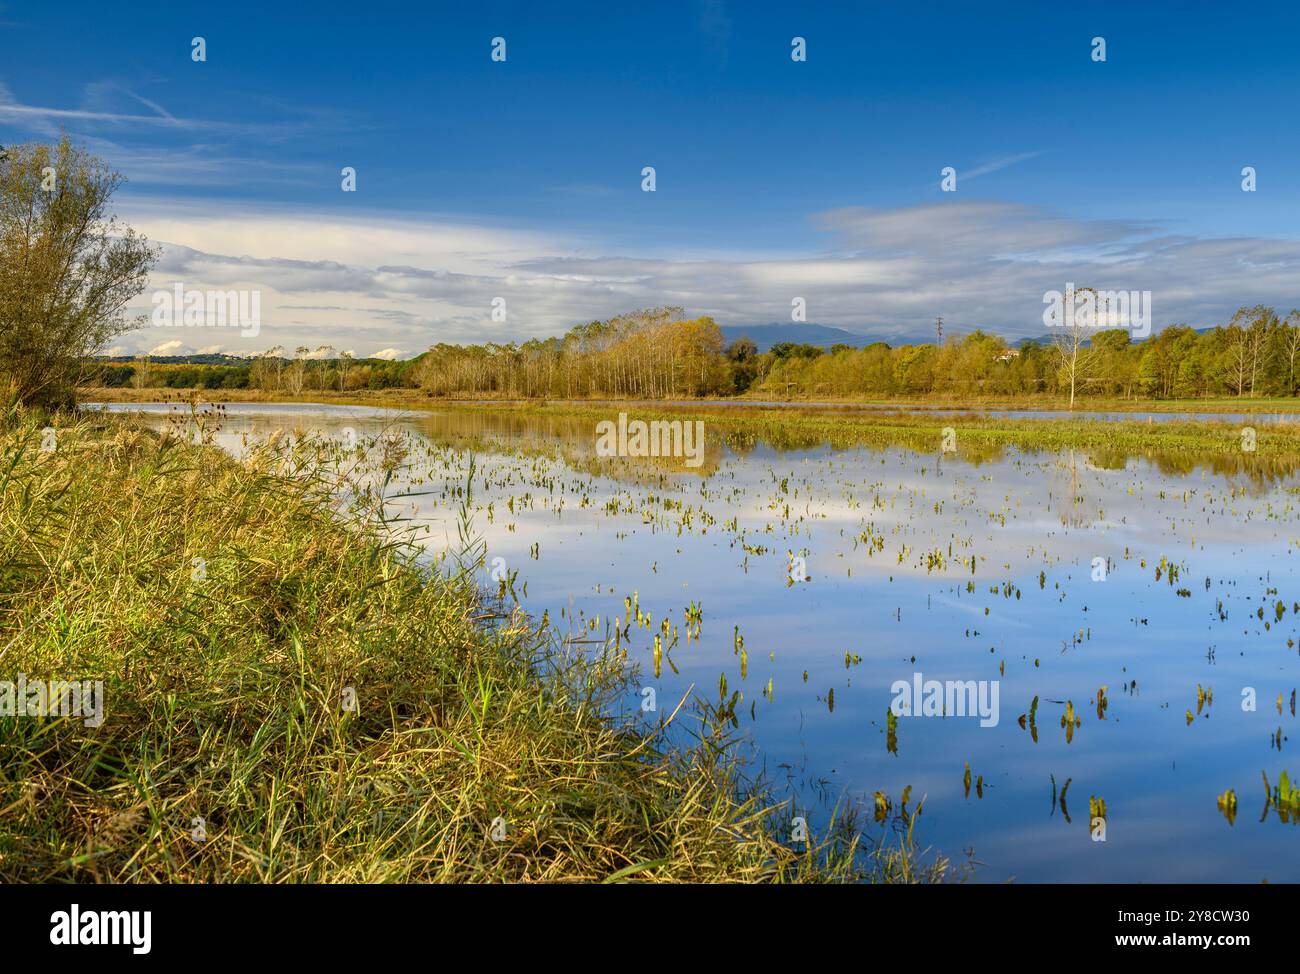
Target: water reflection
point(1112, 594)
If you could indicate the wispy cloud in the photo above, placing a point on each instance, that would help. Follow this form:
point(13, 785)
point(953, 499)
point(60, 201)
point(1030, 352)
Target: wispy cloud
point(104, 94)
point(99, 107)
point(12, 109)
point(996, 164)
point(985, 168)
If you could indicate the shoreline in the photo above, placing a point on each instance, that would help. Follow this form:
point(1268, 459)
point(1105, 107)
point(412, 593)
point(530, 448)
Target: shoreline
point(411, 399)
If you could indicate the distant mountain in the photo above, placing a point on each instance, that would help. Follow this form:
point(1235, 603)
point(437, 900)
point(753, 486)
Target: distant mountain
point(207, 358)
point(765, 336)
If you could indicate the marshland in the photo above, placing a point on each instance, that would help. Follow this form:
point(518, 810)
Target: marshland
point(677, 450)
point(291, 695)
point(1127, 586)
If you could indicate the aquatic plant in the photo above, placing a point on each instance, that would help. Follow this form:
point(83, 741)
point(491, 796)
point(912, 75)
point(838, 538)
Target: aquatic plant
point(1228, 806)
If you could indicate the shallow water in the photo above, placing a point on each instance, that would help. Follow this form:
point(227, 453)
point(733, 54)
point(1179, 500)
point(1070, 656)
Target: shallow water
point(1106, 416)
point(888, 537)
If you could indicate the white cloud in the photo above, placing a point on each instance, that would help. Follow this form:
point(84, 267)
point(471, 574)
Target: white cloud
point(972, 229)
point(168, 348)
point(367, 280)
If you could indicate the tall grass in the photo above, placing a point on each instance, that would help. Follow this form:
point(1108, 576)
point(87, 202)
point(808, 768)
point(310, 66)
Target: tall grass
point(235, 613)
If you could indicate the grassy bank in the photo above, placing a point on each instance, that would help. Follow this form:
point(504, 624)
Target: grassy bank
point(235, 613)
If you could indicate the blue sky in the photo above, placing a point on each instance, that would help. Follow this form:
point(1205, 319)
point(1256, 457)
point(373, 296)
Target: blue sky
point(775, 179)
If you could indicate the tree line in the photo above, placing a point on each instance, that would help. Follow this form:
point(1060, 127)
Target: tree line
point(658, 353)
point(655, 353)
point(268, 372)
point(1256, 353)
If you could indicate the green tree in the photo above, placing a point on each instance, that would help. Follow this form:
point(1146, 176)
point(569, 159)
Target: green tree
point(68, 269)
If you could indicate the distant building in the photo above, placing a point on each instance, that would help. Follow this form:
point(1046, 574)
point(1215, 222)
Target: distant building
point(1009, 354)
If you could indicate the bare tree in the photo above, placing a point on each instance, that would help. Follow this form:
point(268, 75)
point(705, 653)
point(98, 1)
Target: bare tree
point(1072, 338)
point(344, 366)
point(1257, 325)
point(323, 354)
point(296, 374)
point(1238, 355)
point(1247, 337)
point(143, 375)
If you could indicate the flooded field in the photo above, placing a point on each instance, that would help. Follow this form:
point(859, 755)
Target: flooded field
point(1085, 666)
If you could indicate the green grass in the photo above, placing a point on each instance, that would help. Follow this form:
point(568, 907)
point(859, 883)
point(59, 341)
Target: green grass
point(224, 696)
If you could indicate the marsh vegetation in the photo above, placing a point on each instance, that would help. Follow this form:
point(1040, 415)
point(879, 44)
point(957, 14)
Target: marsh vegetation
point(293, 695)
point(1111, 577)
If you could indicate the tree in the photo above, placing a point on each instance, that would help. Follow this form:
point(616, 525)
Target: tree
point(742, 354)
point(296, 374)
point(344, 365)
point(68, 269)
point(1238, 354)
point(1071, 337)
point(142, 377)
point(1116, 368)
point(1291, 348)
point(1257, 325)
